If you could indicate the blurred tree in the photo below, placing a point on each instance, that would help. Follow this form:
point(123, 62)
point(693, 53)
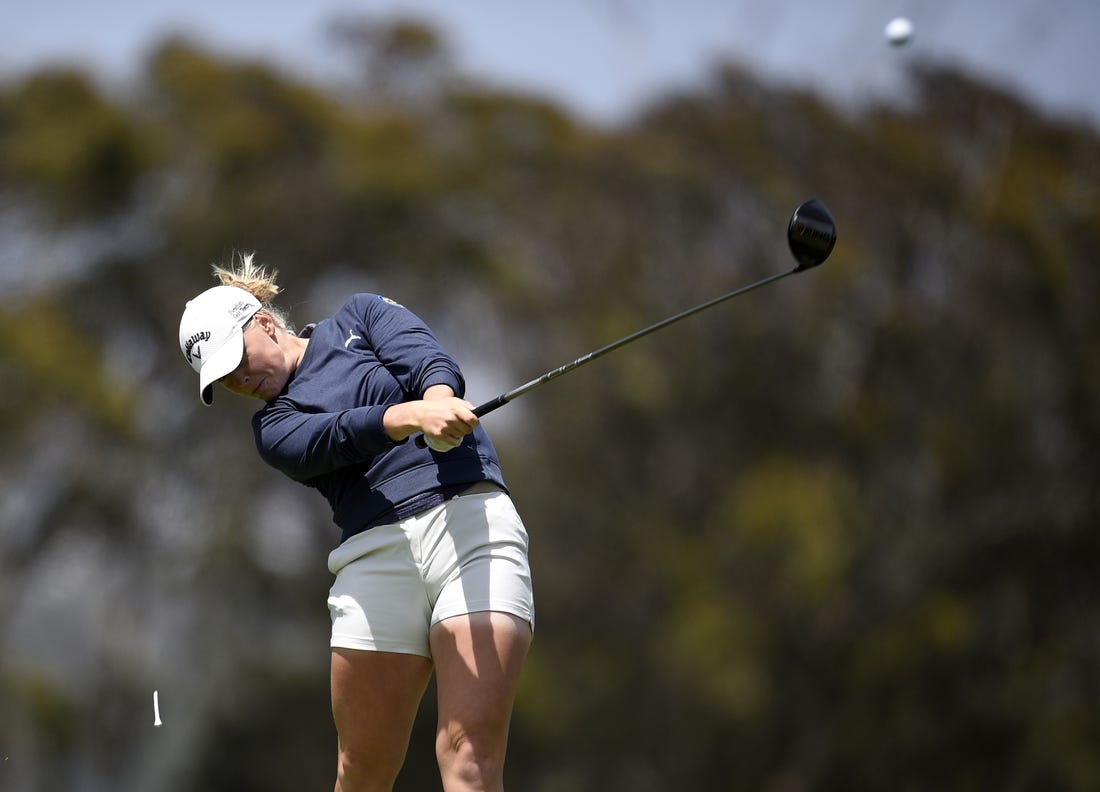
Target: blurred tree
point(402, 61)
point(61, 140)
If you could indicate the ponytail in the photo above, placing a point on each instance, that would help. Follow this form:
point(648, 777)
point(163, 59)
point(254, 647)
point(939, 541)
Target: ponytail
point(256, 280)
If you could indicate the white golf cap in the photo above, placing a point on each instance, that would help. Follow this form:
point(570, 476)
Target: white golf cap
point(212, 335)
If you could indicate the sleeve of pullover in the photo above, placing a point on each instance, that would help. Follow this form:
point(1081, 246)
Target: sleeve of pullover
point(323, 422)
point(408, 348)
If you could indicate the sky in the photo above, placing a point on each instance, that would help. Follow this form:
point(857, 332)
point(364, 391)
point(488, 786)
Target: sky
point(604, 59)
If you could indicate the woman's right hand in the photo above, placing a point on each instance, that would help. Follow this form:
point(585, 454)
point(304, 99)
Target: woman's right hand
point(443, 419)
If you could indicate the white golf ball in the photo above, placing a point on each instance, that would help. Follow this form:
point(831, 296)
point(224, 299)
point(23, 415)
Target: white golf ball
point(899, 31)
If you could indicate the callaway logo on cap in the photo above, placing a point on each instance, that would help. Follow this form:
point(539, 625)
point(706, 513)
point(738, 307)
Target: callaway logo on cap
point(212, 335)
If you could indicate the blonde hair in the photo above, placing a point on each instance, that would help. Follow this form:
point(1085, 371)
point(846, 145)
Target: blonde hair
point(257, 281)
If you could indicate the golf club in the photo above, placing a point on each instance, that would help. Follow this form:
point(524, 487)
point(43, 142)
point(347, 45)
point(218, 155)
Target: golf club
point(811, 235)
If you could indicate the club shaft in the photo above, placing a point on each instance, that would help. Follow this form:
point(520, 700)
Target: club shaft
point(504, 398)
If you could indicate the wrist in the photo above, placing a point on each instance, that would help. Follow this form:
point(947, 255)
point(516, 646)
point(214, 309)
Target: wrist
point(399, 421)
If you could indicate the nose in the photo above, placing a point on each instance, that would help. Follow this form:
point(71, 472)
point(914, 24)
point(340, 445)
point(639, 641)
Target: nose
point(237, 380)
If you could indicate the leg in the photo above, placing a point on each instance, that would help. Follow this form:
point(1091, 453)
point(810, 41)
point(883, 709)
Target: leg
point(478, 658)
point(375, 696)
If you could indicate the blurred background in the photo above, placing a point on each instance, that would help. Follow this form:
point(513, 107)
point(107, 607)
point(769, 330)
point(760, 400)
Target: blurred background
point(841, 534)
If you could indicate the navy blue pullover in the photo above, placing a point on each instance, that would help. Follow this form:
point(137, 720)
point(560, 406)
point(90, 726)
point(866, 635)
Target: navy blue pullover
point(325, 429)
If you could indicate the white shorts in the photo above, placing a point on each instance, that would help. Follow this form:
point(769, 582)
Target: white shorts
point(395, 581)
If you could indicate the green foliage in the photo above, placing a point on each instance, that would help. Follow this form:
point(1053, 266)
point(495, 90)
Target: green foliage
point(53, 365)
point(797, 526)
point(61, 140)
point(838, 535)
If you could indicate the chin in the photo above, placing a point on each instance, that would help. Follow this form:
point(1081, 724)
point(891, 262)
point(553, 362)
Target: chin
point(269, 391)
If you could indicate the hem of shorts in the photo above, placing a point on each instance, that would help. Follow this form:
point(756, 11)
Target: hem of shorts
point(363, 645)
point(511, 608)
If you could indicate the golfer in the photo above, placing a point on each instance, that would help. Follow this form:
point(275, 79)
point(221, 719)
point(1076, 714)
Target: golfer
point(431, 571)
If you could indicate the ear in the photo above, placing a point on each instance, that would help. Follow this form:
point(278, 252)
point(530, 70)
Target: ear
point(266, 323)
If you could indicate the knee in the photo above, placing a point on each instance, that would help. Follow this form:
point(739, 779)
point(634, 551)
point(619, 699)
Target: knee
point(360, 772)
point(467, 757)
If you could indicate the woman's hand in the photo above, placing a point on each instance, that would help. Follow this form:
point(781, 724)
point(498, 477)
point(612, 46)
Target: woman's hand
point(440, 415)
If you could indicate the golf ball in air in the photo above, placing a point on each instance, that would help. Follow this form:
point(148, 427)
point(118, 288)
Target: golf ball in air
point(899, 31)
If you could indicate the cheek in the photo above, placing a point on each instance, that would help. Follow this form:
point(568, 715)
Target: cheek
point(269, 363)
point(272, 369)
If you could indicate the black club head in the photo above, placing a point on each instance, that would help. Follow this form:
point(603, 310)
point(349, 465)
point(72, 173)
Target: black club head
point(811, 234)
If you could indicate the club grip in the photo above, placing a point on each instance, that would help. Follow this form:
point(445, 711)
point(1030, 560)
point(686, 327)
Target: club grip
point(479, 411)
point(489, 406)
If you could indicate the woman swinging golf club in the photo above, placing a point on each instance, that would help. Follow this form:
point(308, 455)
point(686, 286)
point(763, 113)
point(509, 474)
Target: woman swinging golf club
point(432, 564)
point(431, 571)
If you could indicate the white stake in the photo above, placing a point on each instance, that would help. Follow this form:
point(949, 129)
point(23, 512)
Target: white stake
point(156, 709)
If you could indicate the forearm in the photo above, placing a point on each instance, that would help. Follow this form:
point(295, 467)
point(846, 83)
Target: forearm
point(305, 445)
point(438, 392)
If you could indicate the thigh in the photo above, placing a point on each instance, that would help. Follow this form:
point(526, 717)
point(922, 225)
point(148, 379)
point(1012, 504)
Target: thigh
point(375, 696)
point(478, 658)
